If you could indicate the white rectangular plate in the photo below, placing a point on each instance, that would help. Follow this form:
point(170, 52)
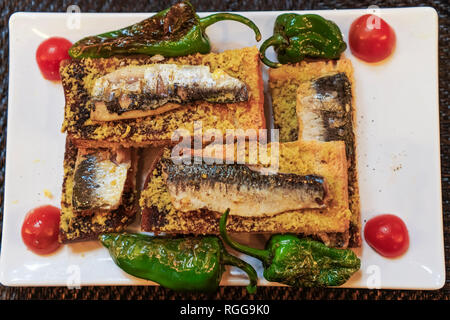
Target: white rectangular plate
point(398, 146)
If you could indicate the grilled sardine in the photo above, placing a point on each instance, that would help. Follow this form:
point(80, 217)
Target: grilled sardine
point(137, 91)
point(99, 179)
point(324, 108)
point(245, 191)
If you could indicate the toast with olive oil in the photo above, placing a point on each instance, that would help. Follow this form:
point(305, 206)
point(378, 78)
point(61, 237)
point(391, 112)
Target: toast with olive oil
point(321, 165)
point(140, 101)
point(98, 193)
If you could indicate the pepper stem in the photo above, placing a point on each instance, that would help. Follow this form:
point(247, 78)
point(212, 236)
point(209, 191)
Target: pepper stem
point(216, 17)
point(262, 255)
point(228, 259)
point(275, 40)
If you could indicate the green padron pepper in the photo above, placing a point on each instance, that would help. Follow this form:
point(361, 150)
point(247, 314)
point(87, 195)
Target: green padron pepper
point(182, 264)
point(296, 37)
point(299, 262)
point(175, 31)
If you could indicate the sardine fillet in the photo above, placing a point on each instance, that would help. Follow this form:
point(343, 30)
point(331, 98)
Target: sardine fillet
point(324, 108)
point(99, 179)
point(137, 91)
point(246, 192)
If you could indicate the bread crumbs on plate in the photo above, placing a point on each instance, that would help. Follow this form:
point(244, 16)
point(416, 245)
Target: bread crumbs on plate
point(48, 194)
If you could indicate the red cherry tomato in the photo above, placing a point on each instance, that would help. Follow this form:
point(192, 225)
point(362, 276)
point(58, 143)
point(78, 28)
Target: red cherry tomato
point(387, 234)
point(49, 54)
point(40, 229)
point(371, 39)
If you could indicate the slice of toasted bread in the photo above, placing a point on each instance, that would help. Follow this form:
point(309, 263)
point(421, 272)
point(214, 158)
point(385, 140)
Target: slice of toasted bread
point(326, 159)
point(80, 226)
point(78, 77)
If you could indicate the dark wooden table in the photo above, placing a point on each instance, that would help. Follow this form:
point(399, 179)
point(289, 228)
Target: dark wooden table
point(226, 293)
